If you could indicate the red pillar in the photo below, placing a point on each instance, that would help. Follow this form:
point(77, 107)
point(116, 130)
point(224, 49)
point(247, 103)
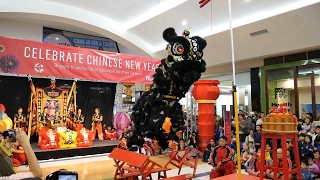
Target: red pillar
point(206, 92)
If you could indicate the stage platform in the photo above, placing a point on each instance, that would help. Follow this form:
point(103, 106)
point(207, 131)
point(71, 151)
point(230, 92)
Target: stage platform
point(235, 177)
point(99, 147)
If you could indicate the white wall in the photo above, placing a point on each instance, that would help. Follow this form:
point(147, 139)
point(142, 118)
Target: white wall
point(21, 30)
point(223, 100)
point(125, 50)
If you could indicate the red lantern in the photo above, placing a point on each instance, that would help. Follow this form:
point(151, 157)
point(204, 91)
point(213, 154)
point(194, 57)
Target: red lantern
point(206, 92)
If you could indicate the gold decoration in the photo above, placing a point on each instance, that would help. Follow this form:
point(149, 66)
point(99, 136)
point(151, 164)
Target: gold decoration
point(171, 87)
point(206, 101)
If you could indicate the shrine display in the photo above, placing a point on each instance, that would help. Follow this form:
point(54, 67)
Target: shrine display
point(172, 79)
point(280, 120)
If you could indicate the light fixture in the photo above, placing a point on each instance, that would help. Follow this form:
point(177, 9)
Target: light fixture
point(184, 22)
point(247, 0)
point(57, 38)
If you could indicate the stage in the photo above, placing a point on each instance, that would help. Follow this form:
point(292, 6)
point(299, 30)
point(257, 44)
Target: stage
point(99, 147)
point(235, 177)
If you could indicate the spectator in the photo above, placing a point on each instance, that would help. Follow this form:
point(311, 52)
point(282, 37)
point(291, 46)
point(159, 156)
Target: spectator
point(207, 152)
point(306, 174)
point(250, 137)
point(257, 137)
point(219, 133)
point(242, 128)
point(6, 170)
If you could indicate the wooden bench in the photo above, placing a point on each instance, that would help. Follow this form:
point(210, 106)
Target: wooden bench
point(180, 177)
point(182, 157)
point(122, 157)
point(135, 165)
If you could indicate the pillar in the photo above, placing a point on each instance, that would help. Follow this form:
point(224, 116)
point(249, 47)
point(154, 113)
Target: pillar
point(206, 92)
point(119, 98)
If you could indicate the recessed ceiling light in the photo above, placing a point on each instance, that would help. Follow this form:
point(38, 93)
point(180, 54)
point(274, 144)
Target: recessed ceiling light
point(247, 0)
point(184, 23)
point(57, 38)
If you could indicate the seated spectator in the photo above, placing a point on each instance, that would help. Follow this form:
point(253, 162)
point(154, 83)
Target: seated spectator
point(206, 153)
point(255, 161)
point(312, 166)
point(251, 147)
point(244, 160)
point(305, 172)
point(280, 174)
point(250, 137)
point(316, 161)
point(6, 170)
point(18, 156)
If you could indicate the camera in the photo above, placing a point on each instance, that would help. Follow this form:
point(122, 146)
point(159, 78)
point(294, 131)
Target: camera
point(9, 133)
point(62, 175)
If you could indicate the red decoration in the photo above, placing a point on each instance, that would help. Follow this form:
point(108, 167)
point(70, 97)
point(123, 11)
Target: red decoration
point(206, 92)
point(203, 3)
point(281, 109)
point(2, 108)
point(51, 60)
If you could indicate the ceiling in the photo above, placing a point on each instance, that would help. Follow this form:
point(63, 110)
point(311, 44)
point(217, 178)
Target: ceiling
point(292, 25)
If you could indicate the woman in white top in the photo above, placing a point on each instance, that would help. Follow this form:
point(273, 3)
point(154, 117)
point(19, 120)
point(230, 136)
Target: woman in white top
point(250, 137)
point(6, 170)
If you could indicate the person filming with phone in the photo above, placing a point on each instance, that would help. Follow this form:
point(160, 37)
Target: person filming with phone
point(6, 170)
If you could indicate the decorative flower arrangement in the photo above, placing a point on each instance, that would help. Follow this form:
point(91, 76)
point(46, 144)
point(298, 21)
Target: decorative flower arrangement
point(2, 48)
point(9, 63)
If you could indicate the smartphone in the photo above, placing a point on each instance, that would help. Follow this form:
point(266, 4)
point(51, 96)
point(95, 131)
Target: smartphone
point(9, 133)
point(67, 175)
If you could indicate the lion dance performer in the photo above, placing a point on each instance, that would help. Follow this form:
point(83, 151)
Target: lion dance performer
point(222, 160)
point(121, 121)
point(84, 138)
point(96, 124)
point(171, 81)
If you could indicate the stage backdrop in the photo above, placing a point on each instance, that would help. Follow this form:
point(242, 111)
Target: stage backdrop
point(33, 58)
point(90, 95)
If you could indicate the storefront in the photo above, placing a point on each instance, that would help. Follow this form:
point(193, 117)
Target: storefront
point(296, 83)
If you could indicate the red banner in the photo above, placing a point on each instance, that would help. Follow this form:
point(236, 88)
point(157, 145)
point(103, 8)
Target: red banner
point(227, 125)
point(40, 59)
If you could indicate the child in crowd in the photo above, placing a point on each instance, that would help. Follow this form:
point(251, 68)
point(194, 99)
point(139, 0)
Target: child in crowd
point(251, 147)
point(299, 126)
point(234, 156)
point(317, 143)
point(306, 174)
point(312, 166)
point(308, 148)
point(316, 161)
point(244, 160)
point(219, 133)
point(301, 146)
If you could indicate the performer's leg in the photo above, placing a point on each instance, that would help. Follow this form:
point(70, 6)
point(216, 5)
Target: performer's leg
point(229, 167)
point(215, 173)
point(16, 162)
point(100, 133)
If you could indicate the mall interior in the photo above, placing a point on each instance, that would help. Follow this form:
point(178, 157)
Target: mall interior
point(277, 65)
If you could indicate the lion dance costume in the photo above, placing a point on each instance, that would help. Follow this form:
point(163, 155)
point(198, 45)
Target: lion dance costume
point(172, 79)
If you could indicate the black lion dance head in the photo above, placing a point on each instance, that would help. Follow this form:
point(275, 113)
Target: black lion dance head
point(158, 113)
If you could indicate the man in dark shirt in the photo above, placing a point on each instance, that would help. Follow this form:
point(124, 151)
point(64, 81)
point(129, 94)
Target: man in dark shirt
point(257, 138)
